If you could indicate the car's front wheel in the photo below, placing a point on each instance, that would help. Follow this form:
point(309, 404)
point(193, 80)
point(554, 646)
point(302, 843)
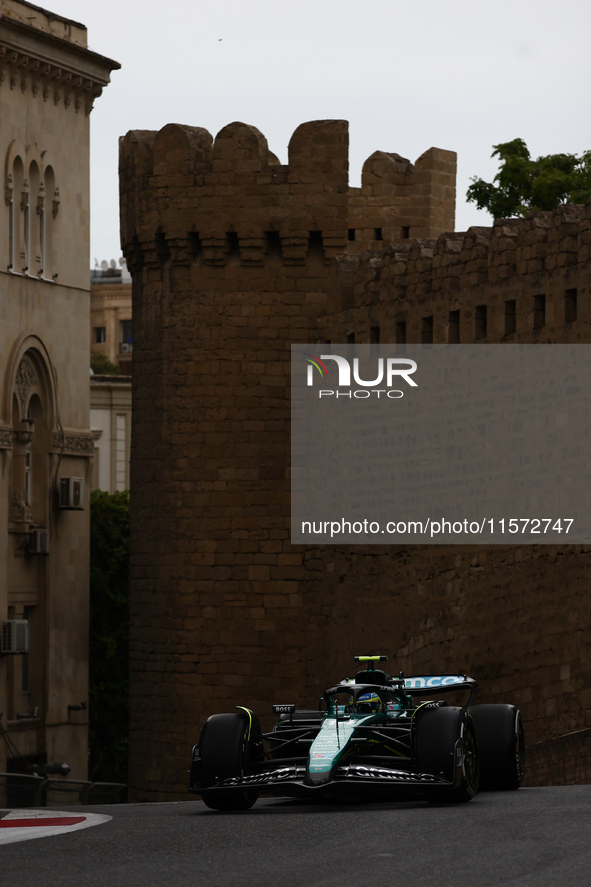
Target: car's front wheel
point(226, 749)
point(445, 742)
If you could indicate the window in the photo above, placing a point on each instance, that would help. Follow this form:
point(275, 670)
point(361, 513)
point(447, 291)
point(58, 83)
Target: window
point(374, 335)
point(273, 244)
point(233, 245)
point(11, 233)
point(315, 245)
point(125, 329)
point(351, 234)
point(28, 466)
point(25, 685)
point(510, 316)
point(196, 246)
point(41, 211)
point(350, 338)
point(480, 322)
point(27, 233)
point(32, 219)
point(377, 234)
point(100, 334)
point(32, 202)
point(16, 259)
point(539, 312)
point(453, 328)
point(47, 223)
point(570, 306)
point(406, 232)
point(401, 332)
point(427, 330)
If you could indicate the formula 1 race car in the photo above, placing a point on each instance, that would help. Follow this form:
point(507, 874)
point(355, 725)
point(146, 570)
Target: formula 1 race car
point(374, 735)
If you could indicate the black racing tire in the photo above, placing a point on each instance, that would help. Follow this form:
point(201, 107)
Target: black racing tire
point(226, 750)
point(499, 729)
point(436, 734)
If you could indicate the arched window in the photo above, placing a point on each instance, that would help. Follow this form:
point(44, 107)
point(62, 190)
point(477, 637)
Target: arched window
point(32, 223)
point(32, 200)
point(50, 205)
point(31, 422)
point(16, 226)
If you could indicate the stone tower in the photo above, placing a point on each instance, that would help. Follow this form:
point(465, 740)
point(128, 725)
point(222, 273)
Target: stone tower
point(232, 256)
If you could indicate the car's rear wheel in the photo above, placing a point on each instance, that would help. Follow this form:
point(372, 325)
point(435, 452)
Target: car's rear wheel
point(438, 731)
point(501, 742)
point(226, 749)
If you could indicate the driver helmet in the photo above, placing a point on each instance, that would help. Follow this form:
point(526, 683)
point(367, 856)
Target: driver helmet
point(369, 702)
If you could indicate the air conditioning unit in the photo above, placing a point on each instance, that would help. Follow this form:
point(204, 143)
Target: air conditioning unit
point(126, 347)
point(15, 636)
point(38, 542)
point(71, 493)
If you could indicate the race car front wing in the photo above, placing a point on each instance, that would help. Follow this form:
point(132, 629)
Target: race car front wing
point(291, 780)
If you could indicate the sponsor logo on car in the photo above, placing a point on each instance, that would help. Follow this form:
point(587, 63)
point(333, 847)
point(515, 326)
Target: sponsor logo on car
point(426, 682)
point(260, 778)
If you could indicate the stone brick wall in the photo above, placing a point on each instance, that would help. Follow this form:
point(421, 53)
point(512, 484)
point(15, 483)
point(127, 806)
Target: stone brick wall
point(562, 761)
point(234, 257)
point(398, 201)
point(540, 263)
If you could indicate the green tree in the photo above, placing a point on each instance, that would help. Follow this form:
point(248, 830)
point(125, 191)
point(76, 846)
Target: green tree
point(522, 184)
point(109, 636)
point(101, 365)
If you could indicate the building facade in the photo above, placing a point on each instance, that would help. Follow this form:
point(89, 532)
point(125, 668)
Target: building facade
point(110, 314)
point(234, 258)
point(110, 395)
point(48, 83)
point(110, 424)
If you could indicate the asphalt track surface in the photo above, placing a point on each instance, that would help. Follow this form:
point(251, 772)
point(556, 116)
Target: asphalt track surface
point(530, 838)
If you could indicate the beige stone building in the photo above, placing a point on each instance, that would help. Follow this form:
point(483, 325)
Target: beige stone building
point(48, 83)
point(110, 396)
point(110, 423)
point(110, 314)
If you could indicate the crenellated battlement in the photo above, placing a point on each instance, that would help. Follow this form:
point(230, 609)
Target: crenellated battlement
point(409, 200)
point(189, 196)
point(539, 243)
point(513, 281)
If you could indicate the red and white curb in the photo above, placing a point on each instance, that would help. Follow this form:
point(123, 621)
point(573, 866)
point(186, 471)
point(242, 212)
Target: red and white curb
point(24, 825)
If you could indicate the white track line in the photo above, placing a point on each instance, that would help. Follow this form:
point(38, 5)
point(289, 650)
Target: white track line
point(10, 834)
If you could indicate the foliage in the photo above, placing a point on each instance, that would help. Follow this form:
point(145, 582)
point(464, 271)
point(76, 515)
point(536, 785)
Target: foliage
point(522, 184)
point(102, 366)
point(109, 636)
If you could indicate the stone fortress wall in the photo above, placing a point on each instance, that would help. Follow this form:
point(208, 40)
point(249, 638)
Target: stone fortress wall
point(234, 258)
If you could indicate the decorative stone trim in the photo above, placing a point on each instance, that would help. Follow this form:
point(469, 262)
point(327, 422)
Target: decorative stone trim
point(6, 438)
point(81, 444)
point(55, 203)
point(22, 438)
point(20, 511)
point(19, 69)
point(26, 378)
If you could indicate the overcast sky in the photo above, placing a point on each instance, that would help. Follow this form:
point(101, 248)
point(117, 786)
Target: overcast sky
point(462, 75)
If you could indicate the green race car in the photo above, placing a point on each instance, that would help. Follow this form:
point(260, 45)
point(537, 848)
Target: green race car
point(372, 735)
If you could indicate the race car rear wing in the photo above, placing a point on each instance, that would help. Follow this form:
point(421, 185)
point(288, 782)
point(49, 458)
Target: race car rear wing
point(427, 685)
